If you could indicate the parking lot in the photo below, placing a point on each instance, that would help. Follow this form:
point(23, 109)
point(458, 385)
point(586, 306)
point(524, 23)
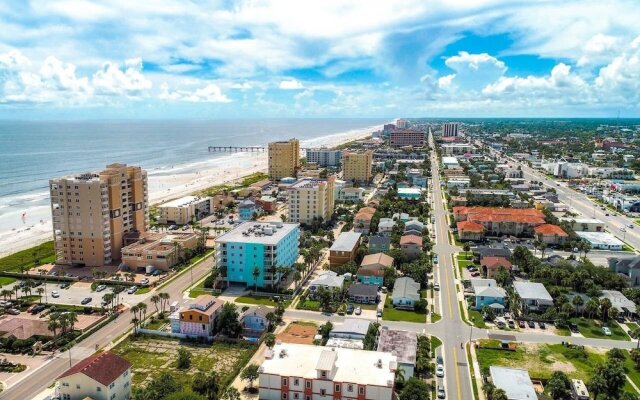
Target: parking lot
point(78, 291)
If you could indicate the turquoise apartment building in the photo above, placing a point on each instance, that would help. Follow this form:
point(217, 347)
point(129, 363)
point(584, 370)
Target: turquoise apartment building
point(257, 244)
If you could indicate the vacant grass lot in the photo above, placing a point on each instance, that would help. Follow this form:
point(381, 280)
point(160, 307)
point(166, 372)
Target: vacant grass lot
point(591, 329)
point(476, 318)
point(264, 301)
point(391, 314)
point(541, 360)
point(152, 355)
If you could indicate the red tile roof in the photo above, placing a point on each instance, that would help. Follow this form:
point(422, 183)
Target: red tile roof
point(495, 214)
point(470, 226)
point(495, 262)
point(550, 230)
point(411, 239)
point(101, 367)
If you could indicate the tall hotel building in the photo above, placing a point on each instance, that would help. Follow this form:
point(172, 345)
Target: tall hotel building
point(450, 129)
point(357, 166)
point(92, 213)
point(311, 198)
point(284, 159)
point(401, 138)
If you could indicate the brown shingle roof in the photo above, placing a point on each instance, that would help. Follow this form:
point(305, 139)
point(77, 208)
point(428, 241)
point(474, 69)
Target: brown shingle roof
point(378, 258)
point(101, 367)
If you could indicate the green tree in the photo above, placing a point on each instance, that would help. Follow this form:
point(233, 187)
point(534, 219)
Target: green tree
point(608, 379)
point(499, 394)
point(159, 388)
point(206, 385)
point(182, 395)
point(414, 389)
point(184, 359)
point(256, 275)
point(635, 357)
point(250, 373)
point(559, 386)
point(231, 393)
point(369, 341)
point(270, 340)
point(227, 321)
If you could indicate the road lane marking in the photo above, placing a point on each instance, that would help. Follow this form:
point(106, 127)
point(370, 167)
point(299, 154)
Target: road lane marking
point(455, 362)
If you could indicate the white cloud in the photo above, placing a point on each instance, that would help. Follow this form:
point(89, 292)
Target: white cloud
point(63, 76)
point(211, 93)
point(241, 86)
point(291, 84)
point(129, 82)
point(473, 71)
point(599, 48)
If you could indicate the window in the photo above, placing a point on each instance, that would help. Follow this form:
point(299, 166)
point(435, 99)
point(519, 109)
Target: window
point(337, 387)
point(113, 384)
point(308, 384)
point(361, 390)
point(350, 388)
point(77, 386)
point(307, 397)
point(296, 382)
point(98, 389)
point(324, 374)
point(296, 396)
point(285, 382)
point(323, 392)
point(284, 396)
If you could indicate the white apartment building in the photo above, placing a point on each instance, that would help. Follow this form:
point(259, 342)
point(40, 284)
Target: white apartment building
point(309, 199)
point(306, 372)
point(102, 376)
point(324, 157)
point(456, 148)
point(184, 210)
point(450, 129)
point(611, 173)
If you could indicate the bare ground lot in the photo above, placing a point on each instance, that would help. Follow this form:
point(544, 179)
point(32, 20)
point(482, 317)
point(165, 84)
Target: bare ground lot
point(298, 332)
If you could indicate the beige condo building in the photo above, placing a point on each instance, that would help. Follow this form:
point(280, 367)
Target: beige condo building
point(311, 198)
point(284, 159)
point(92, 212)
point(357, 166)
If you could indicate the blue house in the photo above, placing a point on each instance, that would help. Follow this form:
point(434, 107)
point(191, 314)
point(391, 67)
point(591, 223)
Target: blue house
point(487, 293)
point(257, 246)
point(246, 208)
point(254, 322)
point(409, 193)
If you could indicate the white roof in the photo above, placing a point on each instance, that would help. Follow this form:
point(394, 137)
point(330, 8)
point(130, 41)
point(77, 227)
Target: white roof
point(409, 190)
point(619, 301)
point(183, 201)
point(515, 382)
point(491, 291)
point(347, 365)
point(255, 232)
point(583, 220)
point(357, 344)
point(532, 290)
point(352, 325)
point(449, 160)
point(328, 278)
point(600, 238)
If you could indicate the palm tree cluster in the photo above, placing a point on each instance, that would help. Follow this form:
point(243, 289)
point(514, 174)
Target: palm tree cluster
point(139, 312)
point(62, 322)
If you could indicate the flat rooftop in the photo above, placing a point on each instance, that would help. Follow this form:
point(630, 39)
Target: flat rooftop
point(308, 183)
point(600, 238)
point(348, 365)
point(346, 241)
point(182, 201)
point(402, 344)
point(269, 233)
point(449, 160)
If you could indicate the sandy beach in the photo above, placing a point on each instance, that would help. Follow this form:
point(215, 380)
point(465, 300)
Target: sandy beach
point(174, 182)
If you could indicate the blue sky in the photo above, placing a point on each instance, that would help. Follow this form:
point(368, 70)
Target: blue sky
point(253, 59)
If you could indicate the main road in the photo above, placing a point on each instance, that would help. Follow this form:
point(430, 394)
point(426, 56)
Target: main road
point(45, 375)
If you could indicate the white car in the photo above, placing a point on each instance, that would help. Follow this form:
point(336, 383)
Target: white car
point(100, 288)
point(144, 281)
point(55, 294)
point(606, 331)
point(440, 371)
point(436, 286)
point(358, 311)
point(132, 289)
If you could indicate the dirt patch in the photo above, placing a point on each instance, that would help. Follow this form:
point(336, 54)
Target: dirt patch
point(298, 333)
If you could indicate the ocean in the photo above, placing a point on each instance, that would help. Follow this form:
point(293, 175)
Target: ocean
point(33, 152)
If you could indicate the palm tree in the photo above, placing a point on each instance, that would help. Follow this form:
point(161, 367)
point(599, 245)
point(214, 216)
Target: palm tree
point(155, 299)
point(591, 307)
point(6, 293)
point(40, 292)
point(164, 298)
point(256, 275)
point(54, 323)
point(577, 303)
point(64, 323)
point(272, 270)
point(399, 375)
point(73, 319)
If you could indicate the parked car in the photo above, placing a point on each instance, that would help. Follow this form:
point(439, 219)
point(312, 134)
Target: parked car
point(531, 324)
point(379, 312)
point(573, 327)
point(542, 325)
point(439, 360)
point(436, 286)
point(435, 259)
point(441, 393)
point(350, 309)
point(37, 309)
point(475, 273)
point(630, 226)
point(132, 289)
point(606, 330)
point(100, 288)
point(155, 272)
point(86, 300)
point(173, 227)
point(358, 311)
point(13, 311)
point(440, 371)
point(145, 281)
point(64, 285)
point(55, 294)
point(512, 324)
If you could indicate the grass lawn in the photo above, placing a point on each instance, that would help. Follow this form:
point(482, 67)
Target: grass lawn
point(144, 290)
point(152, 355)
point(308, 304)
point(264, 301)
point(476, 318)
point(435, 317)
point(435, 343)
point(632, 325)
point(391, 314)
point(632, 372)
point(540, 360)
point(43, 253)
point(590, 329)
point(6, 280)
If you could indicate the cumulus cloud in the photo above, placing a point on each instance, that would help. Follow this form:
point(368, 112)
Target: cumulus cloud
point(128, 81)
point(211, 93)
point(291, 84)
point(473, 71)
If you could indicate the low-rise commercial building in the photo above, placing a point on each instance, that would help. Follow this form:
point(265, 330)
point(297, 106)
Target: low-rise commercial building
point(584, 224)
point(515, 382)
point(305, 372)
point(158, 250)
point(602, 240)
point(403, 345)
point(185, 210)
point(456, 148)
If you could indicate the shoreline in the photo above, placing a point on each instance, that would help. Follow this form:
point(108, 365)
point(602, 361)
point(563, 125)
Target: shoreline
point(166, 185)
